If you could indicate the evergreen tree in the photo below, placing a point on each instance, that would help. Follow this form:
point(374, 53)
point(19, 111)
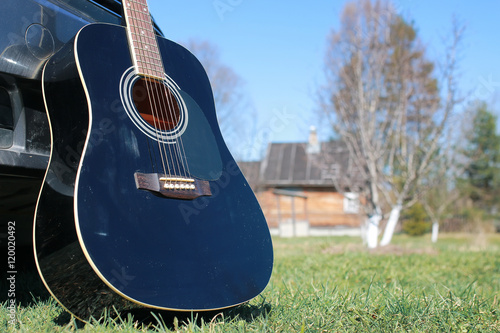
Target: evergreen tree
point(482, 174)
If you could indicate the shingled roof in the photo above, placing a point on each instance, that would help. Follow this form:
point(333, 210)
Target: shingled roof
point(302, 165)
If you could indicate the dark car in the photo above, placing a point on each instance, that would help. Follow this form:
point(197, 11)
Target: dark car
point(31, 31)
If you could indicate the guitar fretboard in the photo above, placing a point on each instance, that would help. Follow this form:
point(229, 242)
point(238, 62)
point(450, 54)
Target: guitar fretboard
point(142, 40)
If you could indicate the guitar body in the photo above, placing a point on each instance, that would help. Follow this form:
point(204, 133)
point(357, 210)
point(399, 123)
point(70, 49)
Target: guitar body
point(104, 236)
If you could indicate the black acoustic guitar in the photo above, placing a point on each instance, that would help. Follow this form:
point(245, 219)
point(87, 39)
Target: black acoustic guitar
point(142, 204)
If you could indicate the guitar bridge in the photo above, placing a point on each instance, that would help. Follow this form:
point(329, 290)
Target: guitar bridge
point(174, 183)
point(172, 187)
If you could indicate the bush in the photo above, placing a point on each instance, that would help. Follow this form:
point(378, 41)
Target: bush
point(416, 228)
point(415, 221)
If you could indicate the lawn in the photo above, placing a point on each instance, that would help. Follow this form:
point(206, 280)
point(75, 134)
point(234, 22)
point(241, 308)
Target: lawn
point(328, 285)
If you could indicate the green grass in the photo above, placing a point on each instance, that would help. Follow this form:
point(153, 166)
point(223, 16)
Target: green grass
point(334, 285)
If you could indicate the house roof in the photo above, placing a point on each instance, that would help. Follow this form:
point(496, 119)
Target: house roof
point(301, 164)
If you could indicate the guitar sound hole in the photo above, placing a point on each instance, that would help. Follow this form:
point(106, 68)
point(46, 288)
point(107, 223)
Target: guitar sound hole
point(156, 104)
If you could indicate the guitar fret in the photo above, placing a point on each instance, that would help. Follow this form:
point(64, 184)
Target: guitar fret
point(137, 10)
point(145, 51)
point(144, 20)
point(153, 72)
point(156, 71)
point(150, 61)
point(142, 34)
point(150, 56)
point(143, 38)
point(146, 47)
point(141, 29)
point(152, 69)
point(147, 41)
point(148, 64)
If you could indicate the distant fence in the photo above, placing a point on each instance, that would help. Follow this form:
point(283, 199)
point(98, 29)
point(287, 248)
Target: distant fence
point(462, 224)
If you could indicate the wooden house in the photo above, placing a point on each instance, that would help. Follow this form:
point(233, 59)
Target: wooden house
point(297, 184)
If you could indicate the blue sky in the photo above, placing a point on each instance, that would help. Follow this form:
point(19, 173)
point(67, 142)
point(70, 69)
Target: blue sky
point(278, 48)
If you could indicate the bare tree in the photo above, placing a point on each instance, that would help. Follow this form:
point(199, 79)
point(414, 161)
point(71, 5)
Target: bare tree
point(438, 188)
point(233, 109)
point(386, 104)
point(444, 191)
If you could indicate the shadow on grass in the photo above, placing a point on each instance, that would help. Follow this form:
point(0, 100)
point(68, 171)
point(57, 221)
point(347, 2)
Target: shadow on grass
point(246, 312)
point(171, 319)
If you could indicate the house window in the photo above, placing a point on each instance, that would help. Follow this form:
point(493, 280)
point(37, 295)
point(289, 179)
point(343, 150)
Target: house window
point(351, 203)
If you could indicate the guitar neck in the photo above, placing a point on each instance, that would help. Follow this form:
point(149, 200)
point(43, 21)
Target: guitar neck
point(142, 40)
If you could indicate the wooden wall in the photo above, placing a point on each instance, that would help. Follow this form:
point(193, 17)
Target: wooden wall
point(322, 208)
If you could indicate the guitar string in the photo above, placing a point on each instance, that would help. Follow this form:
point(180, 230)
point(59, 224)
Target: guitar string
point(168, 111)
point(158, 96)
point(157, 125)
point(170, 105)
point(167, 103)
point(162, 101)
point(132, 7)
